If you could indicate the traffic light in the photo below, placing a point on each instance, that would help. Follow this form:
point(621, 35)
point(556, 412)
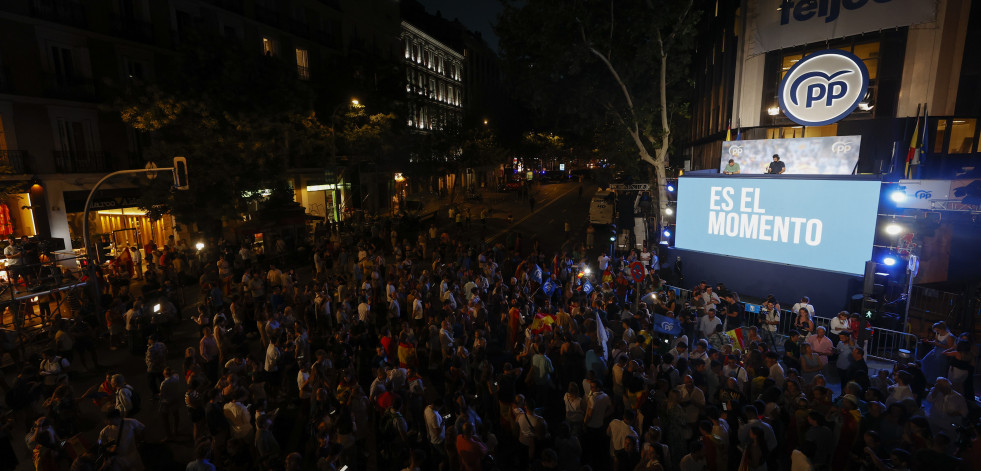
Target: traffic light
point(180, 173)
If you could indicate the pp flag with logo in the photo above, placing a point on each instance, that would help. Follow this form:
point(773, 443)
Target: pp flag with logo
point(587, 287)
point(666, 325)
point(737, 337)
point(536, 274)
point(548, 287)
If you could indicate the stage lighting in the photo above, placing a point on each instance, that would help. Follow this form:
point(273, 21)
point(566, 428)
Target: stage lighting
point(889, 260)
point(894, 229)
point(897, 196)
point(667, 233)
point(670, 188)
point(668, 211)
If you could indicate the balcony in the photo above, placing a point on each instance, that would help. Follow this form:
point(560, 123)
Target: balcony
point(81, 161)
point(14, 162)
point(68, 12)
point(70, 87)
point(132, 28)
point(302, 73)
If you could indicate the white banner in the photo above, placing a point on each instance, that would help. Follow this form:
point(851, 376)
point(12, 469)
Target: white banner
point(830, 155)
point(777, 24)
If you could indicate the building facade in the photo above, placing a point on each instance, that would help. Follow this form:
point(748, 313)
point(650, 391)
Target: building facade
point(58, 57)
point(433, 81)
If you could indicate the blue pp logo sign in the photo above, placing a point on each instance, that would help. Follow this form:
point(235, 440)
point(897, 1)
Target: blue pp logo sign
point(823, 87)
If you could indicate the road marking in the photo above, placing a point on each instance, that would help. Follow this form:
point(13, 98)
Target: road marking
point(540, 208)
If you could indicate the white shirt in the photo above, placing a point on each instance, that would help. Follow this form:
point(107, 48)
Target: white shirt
point(604, 262)
point(838, 325)
point(364, 309)
point(618, 431)
point(777, 374)
point(706, 324)
point(434, 426)
point(238, 419)
point(797, 307)
point(272, 358)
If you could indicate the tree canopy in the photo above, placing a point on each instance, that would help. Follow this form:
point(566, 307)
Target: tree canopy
point(612, 71)
point(240, 118)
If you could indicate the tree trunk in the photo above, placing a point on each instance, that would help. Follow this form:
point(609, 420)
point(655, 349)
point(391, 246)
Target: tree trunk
point(661, 159)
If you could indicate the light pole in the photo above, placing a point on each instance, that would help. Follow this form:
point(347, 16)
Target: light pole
point(179, 171)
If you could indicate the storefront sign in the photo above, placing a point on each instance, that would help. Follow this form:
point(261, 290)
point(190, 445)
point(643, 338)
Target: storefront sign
point(823, 87)
point(777, 24)
point(830, 155)
point(104, 199)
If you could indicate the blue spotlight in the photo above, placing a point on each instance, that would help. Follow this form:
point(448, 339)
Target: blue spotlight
point(889, 260)
point(897, 196)
point(667, 233)
point(670, 188)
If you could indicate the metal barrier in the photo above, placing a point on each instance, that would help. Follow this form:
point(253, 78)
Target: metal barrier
point(886, 344)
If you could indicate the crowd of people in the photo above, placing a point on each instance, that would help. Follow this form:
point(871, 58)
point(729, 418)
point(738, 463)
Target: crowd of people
point(436, 354)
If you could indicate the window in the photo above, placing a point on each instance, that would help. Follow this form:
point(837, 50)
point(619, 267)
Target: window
point(962, 136)
point(938, 137)
point(786, 132)
point(133, 69)
point(63, 64)
point(269, 46)
point(821, 131)
point(75, 138)
point(302, 64)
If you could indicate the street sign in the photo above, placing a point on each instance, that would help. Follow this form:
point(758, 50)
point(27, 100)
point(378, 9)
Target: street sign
point(631, 187)
point(180, 173)
point(151, 170)
point(637, 271)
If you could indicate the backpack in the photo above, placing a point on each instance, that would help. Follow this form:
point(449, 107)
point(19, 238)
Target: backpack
point(135, 400)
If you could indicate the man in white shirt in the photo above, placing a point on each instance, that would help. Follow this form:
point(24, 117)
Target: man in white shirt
point(434, 423)
point(364, 310)
point(603, 262)
point(709, 299)
point(239, 419)
point(708, 322)
point(619, 430)
point(123, 437)
point(805, 303)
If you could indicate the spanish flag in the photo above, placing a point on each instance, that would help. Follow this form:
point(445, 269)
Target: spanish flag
point(542, 323)
point(737, 337)
point(912, 157)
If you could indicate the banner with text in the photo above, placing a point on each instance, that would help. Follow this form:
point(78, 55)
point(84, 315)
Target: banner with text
point(832, 155)
point(777, 24)
point(823, 224)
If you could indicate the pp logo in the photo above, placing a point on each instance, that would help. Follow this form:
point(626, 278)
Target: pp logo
point(923, 194)
point(735, 151)
point(840, 147)
point(667, 326)
point(823, 87)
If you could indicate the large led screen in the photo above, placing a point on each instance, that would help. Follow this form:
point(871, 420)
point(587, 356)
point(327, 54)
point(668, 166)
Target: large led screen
point(833, 155)
point(815, 223)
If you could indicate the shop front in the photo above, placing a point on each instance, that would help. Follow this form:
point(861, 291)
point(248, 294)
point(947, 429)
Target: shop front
point(115, 220)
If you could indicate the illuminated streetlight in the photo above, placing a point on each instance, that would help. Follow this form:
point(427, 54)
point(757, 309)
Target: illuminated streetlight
point(355, 102)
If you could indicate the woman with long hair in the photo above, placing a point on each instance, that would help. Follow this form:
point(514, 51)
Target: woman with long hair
point(934, 364)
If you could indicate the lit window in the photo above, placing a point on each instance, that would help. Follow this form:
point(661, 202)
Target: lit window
point(269, 46)
point(302, 64)
point(962, 136)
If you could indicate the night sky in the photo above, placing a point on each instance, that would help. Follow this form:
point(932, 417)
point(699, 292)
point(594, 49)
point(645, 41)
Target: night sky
point(476, 15)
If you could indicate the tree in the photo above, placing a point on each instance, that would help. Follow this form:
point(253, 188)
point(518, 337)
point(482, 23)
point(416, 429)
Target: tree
point(240, 118)
point(590, 64)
